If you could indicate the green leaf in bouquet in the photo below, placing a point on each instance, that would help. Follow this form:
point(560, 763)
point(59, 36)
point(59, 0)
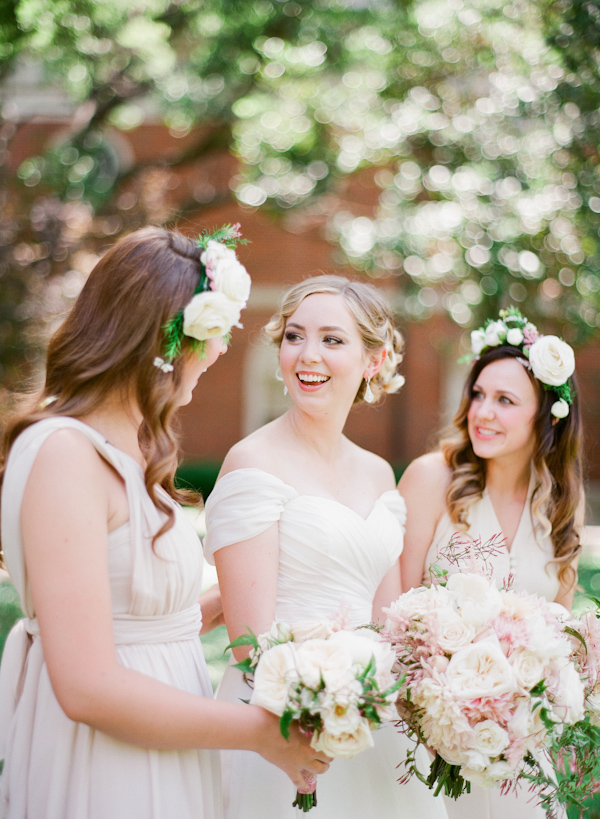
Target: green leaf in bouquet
point(249, 639)
point(574, 633)
point(285, 722)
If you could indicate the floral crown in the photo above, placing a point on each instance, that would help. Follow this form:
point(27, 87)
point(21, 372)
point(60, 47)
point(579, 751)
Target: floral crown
point(550, 359)
point(218, 300)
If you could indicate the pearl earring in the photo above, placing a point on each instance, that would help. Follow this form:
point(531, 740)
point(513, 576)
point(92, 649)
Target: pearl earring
point(369, 397)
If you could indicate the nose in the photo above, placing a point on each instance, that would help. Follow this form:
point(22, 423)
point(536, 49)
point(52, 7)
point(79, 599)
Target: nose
point(485, 408)
point(310, 352)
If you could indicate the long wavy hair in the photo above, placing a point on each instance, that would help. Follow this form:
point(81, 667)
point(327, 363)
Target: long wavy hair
point(107, 344)
point(373, 318)
point(557, 500)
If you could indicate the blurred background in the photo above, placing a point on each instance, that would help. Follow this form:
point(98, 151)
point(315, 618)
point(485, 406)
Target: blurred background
point(445, 149)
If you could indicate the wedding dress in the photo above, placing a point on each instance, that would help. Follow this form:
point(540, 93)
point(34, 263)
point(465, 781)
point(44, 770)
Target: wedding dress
point(59, 769)
point(527, 563)
point(329, 557)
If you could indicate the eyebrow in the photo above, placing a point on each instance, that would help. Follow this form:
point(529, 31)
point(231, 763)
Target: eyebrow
point(326, 329)
point(502, 392)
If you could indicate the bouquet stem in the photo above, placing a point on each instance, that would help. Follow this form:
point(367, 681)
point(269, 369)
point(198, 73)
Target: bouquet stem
point(443, 775)
point(307, 800)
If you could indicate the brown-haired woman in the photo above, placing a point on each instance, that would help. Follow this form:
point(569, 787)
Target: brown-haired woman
point(104, 693)
point(511, 467)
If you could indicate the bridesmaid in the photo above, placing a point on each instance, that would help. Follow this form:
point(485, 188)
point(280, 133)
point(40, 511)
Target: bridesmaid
point(106, 708)
point(511, 466)
point(302, 522)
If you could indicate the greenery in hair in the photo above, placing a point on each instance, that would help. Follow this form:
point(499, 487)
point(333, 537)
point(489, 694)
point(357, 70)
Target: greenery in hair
point(228, 235)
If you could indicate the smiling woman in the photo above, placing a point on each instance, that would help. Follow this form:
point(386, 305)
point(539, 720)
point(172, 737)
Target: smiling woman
point(510, 466)
point(302, 523)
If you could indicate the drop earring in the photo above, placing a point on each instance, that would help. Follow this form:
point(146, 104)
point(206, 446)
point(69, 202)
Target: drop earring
point(368, 396)
point(285, 390)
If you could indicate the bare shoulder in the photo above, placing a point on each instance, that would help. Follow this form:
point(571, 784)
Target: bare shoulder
point(254, 451)
point(377, 468)
point(68, 453)
point(429, 473)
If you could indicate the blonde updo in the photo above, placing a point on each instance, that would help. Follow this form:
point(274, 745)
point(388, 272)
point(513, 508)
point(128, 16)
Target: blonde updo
point(373, 318)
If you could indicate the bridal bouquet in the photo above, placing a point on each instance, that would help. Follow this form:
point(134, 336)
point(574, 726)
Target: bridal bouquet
point(489, 684)
point(338, 684)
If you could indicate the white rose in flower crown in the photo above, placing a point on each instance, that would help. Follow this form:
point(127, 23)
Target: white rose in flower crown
point(495, 333)
point(514, 336)
point(480, 670)
point(560, 408)
point(323, 659)
point(552, 360)
point(476, 598)
point(227, 274)
point(311, 630)
point(274, 675)
point(344, 746)
point(477, 341)
point(210, 315)
point(490, 738)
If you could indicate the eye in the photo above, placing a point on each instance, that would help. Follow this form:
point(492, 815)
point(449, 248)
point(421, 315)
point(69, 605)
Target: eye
point(332, 340)
point(290, 335)
point(476, 395)
point(504, 399)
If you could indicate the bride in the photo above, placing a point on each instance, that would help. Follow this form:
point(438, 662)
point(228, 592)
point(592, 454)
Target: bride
point(303, 522)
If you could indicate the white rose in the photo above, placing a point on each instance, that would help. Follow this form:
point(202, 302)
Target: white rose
point(569, 695)
point(560, 408)
point(362, 648)
point(495, 333)
point(210, 315)
point(227, 274)
point(318, 660)
point(514, 336)
point(491, 776)
point(476, 598)
point(480, 670)
point(528, 668)
point(490, 738)
point(342, 720)
point(451, 630)
point(344, 746)
point(444, 726)
point(552, 360)
point(311, 630)
point(274, 675)
point(477, 341)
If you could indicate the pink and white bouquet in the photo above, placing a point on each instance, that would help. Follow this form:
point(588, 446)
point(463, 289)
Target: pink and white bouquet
point(489, 680)
point(337, 684)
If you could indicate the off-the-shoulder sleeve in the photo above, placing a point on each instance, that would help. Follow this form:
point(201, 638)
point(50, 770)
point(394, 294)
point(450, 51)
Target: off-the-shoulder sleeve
point(243, 504)
point(394, 501)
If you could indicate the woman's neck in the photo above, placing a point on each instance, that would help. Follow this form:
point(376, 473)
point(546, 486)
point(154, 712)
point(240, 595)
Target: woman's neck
point(322, 435)
point(119, 421)
point(509, 479)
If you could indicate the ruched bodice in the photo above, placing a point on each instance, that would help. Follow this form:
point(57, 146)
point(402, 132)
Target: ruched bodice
point(328, 554)
point(330, 559)
point(59, 769)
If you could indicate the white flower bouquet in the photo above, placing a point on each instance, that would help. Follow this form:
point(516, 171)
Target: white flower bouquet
point(337, 684)
point(490, 686)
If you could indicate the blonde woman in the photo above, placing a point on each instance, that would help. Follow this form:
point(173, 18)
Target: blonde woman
point(303, 522)
point(106, 708)
point(511, 467)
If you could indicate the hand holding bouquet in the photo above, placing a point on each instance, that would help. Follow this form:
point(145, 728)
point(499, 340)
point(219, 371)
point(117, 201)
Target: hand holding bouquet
point(337, 684)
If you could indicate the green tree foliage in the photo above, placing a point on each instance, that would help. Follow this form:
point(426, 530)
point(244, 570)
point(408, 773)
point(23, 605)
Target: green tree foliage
point(477, 118)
